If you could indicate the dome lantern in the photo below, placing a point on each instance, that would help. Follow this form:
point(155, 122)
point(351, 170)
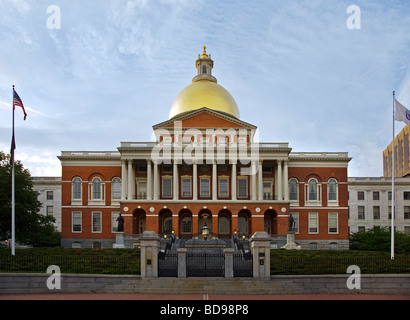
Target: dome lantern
point(204, 92)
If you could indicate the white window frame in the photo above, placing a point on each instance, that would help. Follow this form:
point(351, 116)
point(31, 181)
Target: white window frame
point(318, 200)
point(94, 227)
point(91, 186)
point(73, 182)
point(333, 202)
point(313, 222)
point(114, 223)
point(80, 217)
point(113, 182)
point(333, 216)
point(297, 190)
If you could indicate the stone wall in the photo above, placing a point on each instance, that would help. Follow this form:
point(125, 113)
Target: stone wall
point(370, 284)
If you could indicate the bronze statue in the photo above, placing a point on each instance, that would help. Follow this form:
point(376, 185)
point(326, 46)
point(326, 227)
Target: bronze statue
point(291, 223)
point(120, 221)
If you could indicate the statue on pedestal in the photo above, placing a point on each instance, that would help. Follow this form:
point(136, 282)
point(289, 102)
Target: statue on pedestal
point(291, 223)
point(120, 221)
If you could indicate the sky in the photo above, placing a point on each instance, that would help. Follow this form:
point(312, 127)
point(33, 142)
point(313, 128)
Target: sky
point(95, 73)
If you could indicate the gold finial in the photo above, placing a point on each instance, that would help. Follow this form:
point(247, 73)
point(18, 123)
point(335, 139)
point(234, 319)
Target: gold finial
point(204, 55)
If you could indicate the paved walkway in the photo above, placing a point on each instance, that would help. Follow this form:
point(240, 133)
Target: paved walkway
point(107, 296)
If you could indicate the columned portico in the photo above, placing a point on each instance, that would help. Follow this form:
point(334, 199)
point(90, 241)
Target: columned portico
point(280, 188)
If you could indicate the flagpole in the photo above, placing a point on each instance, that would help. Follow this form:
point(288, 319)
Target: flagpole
point(392, 188)
point(13, 218)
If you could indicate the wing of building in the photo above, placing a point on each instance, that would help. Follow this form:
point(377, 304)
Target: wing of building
point(205, 167)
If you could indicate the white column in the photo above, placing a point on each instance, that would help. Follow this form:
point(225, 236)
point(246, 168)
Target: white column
point(130, 180)
point(123, 180)
point(286, 181)
point(156, 180)
point(280, 182)
point(214, 181)
point(253, 180)
point(175, 181)
point(149, 180)
point(194, 180)
point(260, 181)
point(233, 181)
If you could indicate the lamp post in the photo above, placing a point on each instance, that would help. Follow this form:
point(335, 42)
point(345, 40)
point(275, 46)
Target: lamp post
point(205, 231)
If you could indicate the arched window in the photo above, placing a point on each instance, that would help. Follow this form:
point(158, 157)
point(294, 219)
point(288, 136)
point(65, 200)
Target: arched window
point(76, 189)
point(186, 223)
point(332, 190)
point(313, 190)
point(243, 223)
point(224, 224)
point(96, 189)
point(203, 69)
point(293, 189)
point(116, 188)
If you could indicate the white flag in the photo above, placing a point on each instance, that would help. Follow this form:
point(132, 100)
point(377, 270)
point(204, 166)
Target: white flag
point(401, 113)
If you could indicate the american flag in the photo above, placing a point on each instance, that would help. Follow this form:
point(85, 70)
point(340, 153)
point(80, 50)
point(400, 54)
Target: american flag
point(17, 102)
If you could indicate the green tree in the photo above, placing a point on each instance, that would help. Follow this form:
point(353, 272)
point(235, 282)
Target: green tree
point(379, 239)
point(32, 228)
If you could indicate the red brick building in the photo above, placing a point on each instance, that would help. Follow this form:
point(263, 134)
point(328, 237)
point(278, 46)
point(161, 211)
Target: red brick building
point(206, 167)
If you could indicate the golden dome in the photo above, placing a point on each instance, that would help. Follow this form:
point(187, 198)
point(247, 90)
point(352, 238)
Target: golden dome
point(204, 92)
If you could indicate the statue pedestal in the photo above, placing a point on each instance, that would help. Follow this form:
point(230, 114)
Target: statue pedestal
point(119, 241)
point(290, 241)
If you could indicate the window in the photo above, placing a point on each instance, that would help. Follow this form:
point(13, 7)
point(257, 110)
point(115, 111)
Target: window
point(406, 195)
point(312, 190)
point(313, 222)
point(166, 187)
point(142, 189)
point(76, 189)
point(76, 220)
point(360, 212)
point(96, 222)
point(223, 187)
point(333, 222)
point(295, 216)
point(50, 195)
point(50, 210)
point(333, 246)
point(376, 195)
point(116, 188)
point(114, 223)
point(186, 187)
point(204, 184)
point(376, 212)
point(360, 195)
point(267, 190)
point(406, 212)
point(332, 190)
point(223, 224)
point(242, 187)
point(186, 224)
point(96, 189)
point(293, 189)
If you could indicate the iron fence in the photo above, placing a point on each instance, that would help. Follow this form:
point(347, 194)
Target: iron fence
point(24, 263)
point(338, 265)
